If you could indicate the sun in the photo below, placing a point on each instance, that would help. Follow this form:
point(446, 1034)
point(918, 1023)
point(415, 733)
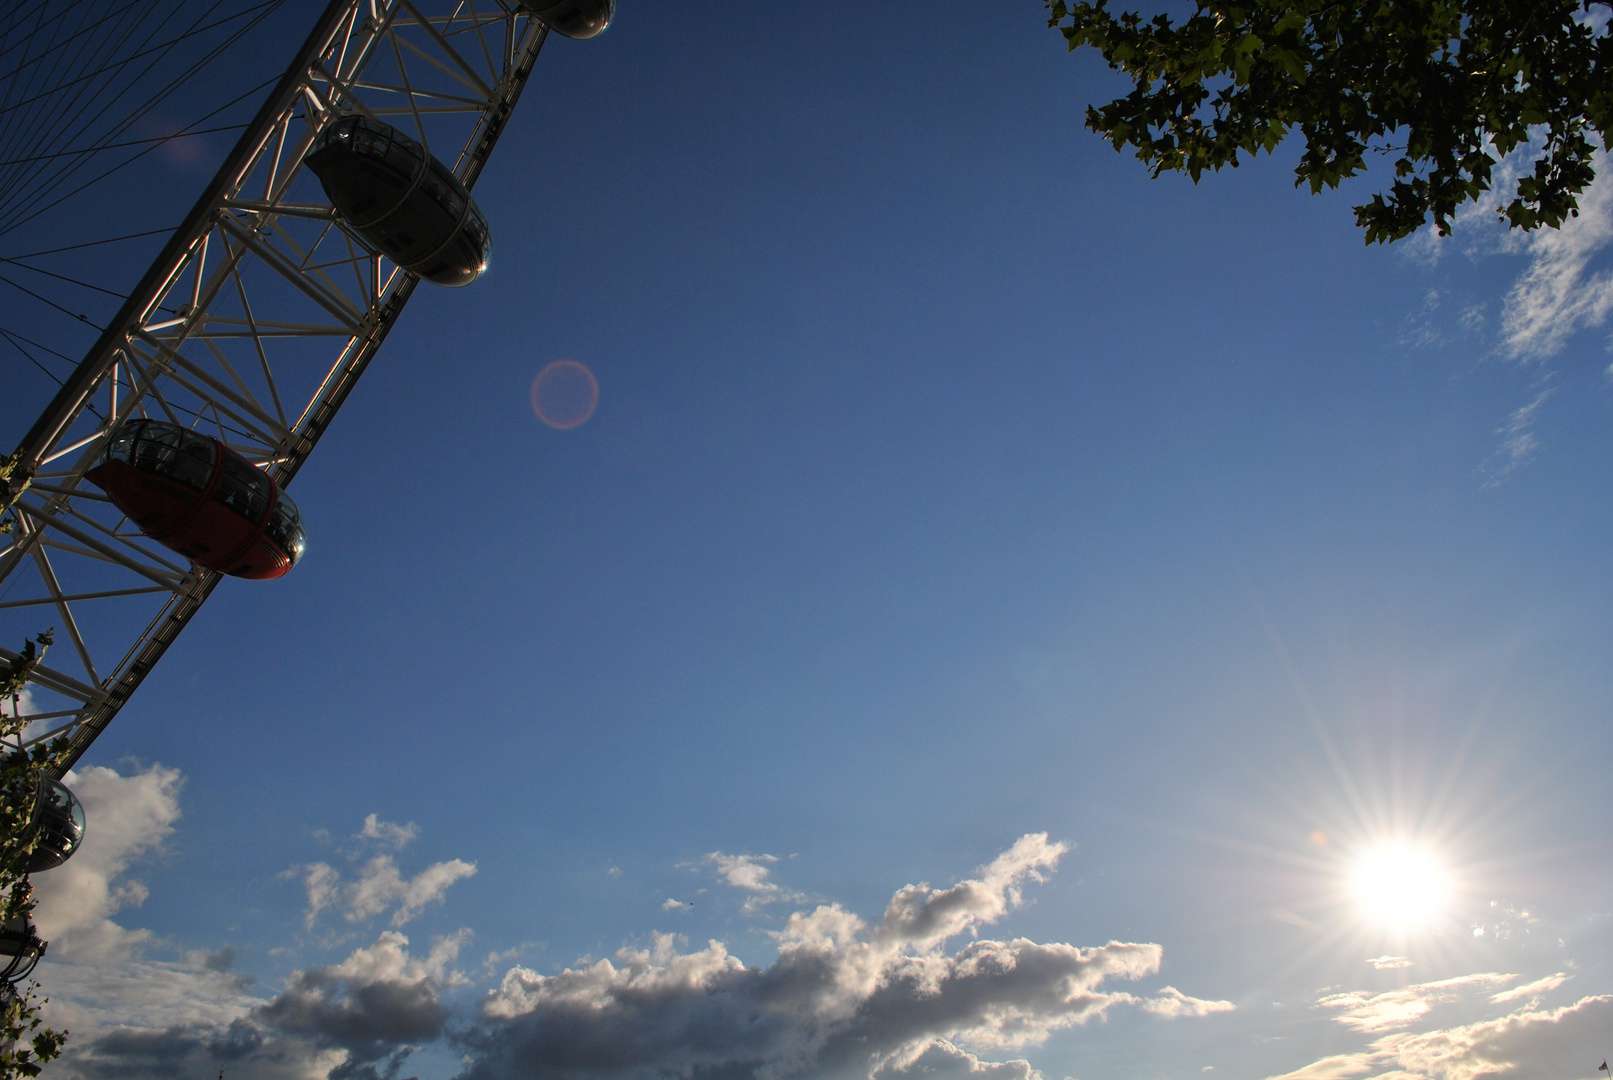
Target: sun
point(1400, 886)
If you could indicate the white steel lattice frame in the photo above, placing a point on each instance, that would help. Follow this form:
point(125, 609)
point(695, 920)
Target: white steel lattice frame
point(253, 325)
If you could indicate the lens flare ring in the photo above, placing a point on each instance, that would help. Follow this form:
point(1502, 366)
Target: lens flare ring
point(565, 394)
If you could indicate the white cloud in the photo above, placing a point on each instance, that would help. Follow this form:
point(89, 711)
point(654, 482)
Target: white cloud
point(126, 817)
point(356, 1020)
point(137, 1017)
point(1373, 1013)
point(1418, 329)
point(670, 904)
point(746, 872)
point(1518, 441)
point(752, 874)
point(1293, 918)
point(1530, 990)
point(97, 973)
point(18, 705)
point(324, 885)
point(1508, 920)
point(1558, 294)
point(940, 1060)
point(1172, 1003)
point(842, 998)
point(1390, 963)
point(25, 705)
point(1564, 288)
point(91, 1000)
point(397, 836)
point(926, 917)
point(1562, 1043)
point(1476, 226)
point(379, 886)
point(1336, 1067)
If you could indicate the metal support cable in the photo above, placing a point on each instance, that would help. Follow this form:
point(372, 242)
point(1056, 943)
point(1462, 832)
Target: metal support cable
point(129, 161)
point(20, 129)
point(93, 243)
point(64, 277)
point(30, 356)
point(171, 41)
point(121, 145)
point(19, 126)
point(24, 190)
point(65, 42)
point(41, 191)
point(72, 396)
point(46, 300)
point(37, 345)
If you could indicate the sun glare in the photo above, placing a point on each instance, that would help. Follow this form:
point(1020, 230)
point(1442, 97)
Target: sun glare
point(1400, 886)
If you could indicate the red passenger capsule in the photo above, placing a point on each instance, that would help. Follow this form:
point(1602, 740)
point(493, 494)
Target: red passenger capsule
point(196, 496)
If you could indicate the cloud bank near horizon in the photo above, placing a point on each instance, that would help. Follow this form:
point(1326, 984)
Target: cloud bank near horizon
point(887, 999)
point(133, 1015)
point(1525, 1044)
point(844, 997)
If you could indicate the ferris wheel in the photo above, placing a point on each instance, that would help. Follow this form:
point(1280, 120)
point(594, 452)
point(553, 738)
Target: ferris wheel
point(161, 465)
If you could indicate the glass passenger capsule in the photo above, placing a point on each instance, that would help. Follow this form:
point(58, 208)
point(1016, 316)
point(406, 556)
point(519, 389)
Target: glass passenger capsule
point(59, 820)
point(402, 200)
point(20, 949)
point(579, 19)
point(196, 496)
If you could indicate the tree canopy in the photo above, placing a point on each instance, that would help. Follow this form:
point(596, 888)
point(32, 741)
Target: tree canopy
point(25, 1044)
point(1449, 86)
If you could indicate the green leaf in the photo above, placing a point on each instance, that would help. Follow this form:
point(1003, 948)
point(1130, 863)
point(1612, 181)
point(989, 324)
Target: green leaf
point(1457, 77)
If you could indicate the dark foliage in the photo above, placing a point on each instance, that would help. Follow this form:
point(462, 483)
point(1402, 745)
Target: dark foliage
point(1449, 86)
point(25, 1044)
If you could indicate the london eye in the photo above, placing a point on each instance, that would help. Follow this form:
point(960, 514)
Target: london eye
point(161, 465)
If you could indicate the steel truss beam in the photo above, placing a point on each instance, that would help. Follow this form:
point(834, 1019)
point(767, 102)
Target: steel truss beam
point(262, 301)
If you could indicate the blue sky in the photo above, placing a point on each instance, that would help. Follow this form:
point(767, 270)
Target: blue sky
point(951, 483)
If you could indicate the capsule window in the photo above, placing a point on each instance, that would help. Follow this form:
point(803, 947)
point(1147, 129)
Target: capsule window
point(243, 489)
point(441, 185)
point(478, 236)
point(366, 168)
point(193, 465)
point(285, 528)
point(121, 446)
point(59, 820)
point(170, 451)
point(20, 949)
point(443, 206)
point(404, 154)
point(158, 444)
point(400, 199)
point(369, 143)
point(361, 134)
